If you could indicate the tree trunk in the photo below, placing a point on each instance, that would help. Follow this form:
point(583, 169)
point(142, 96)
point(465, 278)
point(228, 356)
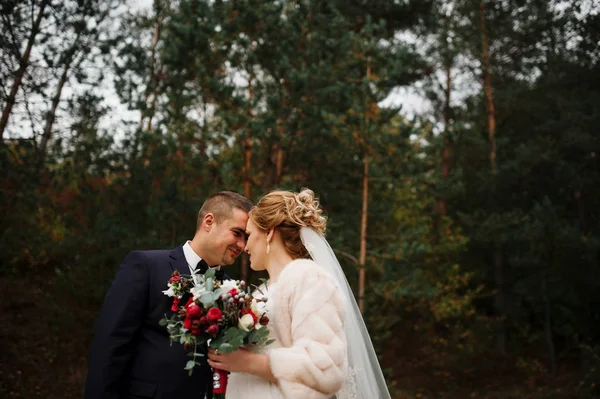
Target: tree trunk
point(247, 165)
point(279, 156)
point(446, 153)
point(365, 204)
point(153, 73)
point(245, 270)
point(51, 115)
point(148, 110)
point(363, 234)
point(487, 87)
point(10, 100)
point(498, 265)
point(442, 207)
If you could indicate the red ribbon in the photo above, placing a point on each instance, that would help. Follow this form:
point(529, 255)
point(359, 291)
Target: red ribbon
point(222, 382)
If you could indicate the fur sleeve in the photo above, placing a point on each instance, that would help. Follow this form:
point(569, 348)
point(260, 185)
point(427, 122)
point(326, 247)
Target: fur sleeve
point(313, 367)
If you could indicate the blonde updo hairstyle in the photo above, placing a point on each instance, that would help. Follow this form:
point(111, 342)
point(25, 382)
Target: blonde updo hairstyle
point(288, 212)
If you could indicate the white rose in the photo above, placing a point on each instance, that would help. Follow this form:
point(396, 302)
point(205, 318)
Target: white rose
point(246, 322)
point(227, 285)
point(258, 308)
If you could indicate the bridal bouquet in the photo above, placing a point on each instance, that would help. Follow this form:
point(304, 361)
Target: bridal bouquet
point(222, 315)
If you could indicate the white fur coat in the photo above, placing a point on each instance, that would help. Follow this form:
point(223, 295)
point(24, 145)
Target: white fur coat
point(310, 314)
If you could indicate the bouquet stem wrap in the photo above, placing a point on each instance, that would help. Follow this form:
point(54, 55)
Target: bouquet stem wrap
point(219, 383)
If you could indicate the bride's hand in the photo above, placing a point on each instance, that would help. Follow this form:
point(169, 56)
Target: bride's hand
point(237, 361)
point(242, 361)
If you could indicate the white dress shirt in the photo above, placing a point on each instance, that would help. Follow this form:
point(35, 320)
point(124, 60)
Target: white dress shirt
point(192, 257)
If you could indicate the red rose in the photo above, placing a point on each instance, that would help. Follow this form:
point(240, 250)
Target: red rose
point(203, 321)
point(213, 330)
point(233, 291)
point(264, 320)
point(187, 323)
point(194, 311)
point(214, 315)
point(175, 279)
point(175, 305)
point(196, 328)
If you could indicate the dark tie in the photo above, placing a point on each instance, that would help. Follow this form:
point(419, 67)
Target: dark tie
point(202, 267)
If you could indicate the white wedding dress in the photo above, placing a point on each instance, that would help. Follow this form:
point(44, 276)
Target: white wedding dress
point(244, 386)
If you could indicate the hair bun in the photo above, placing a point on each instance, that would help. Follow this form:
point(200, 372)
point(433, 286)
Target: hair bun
point(308, 211)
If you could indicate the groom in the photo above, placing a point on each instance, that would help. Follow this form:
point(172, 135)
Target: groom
point(131, 355)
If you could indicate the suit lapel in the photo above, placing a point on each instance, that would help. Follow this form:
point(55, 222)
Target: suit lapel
point(177, 261)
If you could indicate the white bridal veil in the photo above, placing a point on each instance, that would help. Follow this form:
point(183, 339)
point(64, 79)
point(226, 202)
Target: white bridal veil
point(365, 379)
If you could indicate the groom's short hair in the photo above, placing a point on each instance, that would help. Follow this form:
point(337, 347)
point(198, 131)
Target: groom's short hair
point(222, 204)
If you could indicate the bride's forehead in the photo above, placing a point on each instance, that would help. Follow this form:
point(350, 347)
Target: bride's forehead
point(250, 224)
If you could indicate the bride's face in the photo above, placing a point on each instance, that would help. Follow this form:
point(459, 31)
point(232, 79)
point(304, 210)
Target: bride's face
point(256, 246)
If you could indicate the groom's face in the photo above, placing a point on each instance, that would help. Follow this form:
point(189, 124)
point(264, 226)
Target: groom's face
point(228, 238)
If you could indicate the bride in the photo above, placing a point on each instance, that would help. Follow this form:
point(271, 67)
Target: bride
point(321, 346)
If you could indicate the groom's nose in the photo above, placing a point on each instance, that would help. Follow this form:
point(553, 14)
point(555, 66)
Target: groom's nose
point(242, 243)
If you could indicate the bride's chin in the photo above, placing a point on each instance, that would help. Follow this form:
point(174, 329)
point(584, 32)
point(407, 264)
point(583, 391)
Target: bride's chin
point(256, 269)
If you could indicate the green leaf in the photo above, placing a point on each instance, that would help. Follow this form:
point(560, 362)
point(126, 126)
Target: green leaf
point(207, 299)
point(210, 273)
point(190, 365)
point(226, 348)
point(232, 332)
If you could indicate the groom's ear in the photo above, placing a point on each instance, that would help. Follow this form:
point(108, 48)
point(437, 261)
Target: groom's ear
point(208, 222)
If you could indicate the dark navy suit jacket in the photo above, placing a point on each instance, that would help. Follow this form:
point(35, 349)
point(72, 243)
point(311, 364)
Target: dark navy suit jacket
point(131, 355)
